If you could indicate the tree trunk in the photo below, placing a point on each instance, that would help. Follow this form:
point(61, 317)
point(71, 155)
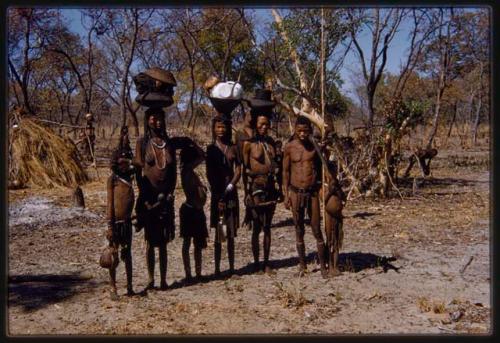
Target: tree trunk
point(128, 62)
point(476, 121)
point(478, 107)
point(371, 110)
point(437, 110)
point(453, 118)
point(78, 199)
point(306, 105)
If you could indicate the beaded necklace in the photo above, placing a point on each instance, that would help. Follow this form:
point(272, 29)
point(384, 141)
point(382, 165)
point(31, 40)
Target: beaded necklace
point(162, 148)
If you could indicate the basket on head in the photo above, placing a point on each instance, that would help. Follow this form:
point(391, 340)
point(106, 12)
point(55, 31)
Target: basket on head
point(155, 87)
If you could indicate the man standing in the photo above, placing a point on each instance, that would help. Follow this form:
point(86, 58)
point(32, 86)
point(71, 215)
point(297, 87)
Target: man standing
point(259, 158)
point(301, 184)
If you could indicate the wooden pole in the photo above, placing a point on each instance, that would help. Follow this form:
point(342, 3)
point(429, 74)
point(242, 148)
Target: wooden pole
point(323, 107)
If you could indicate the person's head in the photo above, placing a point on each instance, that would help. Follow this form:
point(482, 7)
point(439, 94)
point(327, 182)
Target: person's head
point(303, 128)
point(221, 128)
point(155, 119)
point(123, 165)
point(262, 124)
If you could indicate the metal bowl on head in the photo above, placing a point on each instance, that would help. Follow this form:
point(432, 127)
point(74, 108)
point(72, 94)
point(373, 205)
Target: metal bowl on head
point(225, 106)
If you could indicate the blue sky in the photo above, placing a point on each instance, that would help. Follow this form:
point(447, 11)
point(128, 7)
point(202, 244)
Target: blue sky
point(351, 68)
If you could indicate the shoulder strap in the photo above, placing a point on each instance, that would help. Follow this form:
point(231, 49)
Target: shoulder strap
point(266, 153)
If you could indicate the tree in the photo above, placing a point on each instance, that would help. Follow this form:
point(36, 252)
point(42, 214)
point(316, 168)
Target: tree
point(29, 30)
point(119, 41)
point(383, 24)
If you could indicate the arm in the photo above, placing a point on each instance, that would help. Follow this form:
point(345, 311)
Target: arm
point(318, 166)
point(110, 210)
point(138, 161)
point(286, 174)
point(237, 166)
point(246, 160)
point(277, 158)
point(210, 167)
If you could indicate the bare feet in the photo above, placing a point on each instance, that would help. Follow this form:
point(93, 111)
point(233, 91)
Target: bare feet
point(269, 271)
point(324, 273)
point(302, 270)
point(334, 272)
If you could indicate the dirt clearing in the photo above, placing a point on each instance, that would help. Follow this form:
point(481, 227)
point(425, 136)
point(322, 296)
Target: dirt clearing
point(421, 265)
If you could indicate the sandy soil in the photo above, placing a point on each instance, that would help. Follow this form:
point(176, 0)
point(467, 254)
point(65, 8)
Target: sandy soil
point(421, 265)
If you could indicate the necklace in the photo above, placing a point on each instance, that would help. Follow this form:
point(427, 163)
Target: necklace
point(124, 181)
point(162, 147)
point(220, 147)
point(224, 150)
point(159, 146)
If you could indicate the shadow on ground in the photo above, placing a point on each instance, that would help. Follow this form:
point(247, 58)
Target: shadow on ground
point(352, 262)
point(363, 215)
point(431, 181)
point(355, 262)
point(33, 292)
point(289, 222)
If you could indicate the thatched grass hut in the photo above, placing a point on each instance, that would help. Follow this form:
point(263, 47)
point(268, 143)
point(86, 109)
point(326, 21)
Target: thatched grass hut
point(38, 156)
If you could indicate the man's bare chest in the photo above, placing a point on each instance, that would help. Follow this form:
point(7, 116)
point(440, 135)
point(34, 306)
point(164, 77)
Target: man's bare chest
point(301, 155)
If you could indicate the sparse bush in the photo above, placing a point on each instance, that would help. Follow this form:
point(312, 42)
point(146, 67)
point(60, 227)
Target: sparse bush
point(291, 296)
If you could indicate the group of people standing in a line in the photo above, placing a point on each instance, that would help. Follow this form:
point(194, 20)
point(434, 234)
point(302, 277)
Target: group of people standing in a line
point(270, 174)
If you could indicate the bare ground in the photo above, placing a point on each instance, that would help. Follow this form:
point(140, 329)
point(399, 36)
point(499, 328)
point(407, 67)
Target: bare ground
point(421, 265)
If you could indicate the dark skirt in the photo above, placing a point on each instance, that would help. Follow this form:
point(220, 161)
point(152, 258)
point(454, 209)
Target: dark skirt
point(262, 189)
point(122, 233)
point(159, 226)
point(193, 222)
point(231, 213)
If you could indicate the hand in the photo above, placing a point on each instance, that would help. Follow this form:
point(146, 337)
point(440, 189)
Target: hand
point(280, 197)
point(288, 203)
point(229, 188)
point(248, 201)
point(109, 233)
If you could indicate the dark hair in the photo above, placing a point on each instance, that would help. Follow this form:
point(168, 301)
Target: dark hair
point(187, 155)
point(228, 123)
point(301, 120)
point(121, 150)
point(147, 131)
